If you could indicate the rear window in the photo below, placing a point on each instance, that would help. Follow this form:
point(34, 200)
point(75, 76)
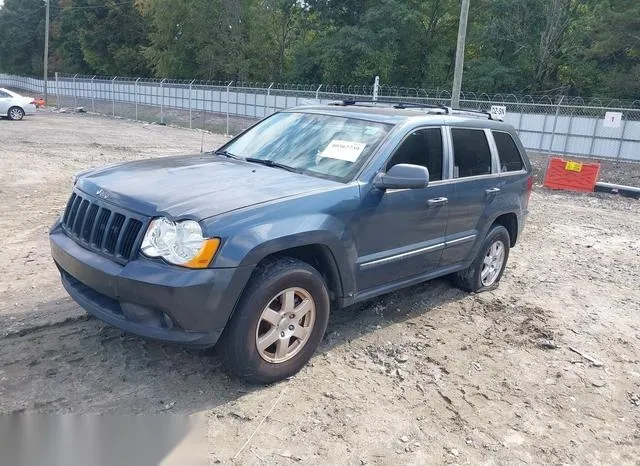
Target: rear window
point(471, 151)
point(510, 158)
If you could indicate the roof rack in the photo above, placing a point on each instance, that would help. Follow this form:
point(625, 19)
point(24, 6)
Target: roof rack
point(393, 103)
point(404, 105)
point(471, 112)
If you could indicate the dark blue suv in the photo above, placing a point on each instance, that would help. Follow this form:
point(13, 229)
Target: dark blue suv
point(311, 209)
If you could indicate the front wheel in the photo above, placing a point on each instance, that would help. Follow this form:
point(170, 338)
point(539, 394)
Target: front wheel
point(279, 322)
point(486, 270)
point(15, 113)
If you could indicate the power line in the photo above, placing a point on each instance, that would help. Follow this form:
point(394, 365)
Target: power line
point(94, 7)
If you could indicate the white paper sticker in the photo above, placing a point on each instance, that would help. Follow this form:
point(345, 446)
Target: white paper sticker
point(612, 120)
point(498, 112)
point(348, 151)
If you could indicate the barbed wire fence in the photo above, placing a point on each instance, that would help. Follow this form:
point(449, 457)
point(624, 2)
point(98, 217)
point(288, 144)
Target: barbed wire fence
point(547, 124)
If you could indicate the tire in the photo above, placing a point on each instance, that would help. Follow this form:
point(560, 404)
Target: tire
point(15, 113)
point(472, 279)
point(252, 322)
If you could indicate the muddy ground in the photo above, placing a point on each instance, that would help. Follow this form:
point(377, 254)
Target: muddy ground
point(428, 375)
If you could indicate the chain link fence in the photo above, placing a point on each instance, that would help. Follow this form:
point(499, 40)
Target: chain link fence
point(554, 125)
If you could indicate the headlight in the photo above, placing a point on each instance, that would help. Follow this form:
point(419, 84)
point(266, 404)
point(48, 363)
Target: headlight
point(180, 243)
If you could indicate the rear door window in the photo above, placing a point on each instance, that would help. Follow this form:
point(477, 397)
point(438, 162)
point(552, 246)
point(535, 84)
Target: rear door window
point(472, 156)
point(4, 95)
point(510, 158)
point(422, 147)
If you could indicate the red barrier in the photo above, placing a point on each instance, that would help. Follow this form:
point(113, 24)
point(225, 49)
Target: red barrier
point(571, 176)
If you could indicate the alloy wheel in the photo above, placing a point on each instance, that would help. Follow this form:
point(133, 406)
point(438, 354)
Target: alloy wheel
point(285, 325)
point(16, 114)
point(492, 263)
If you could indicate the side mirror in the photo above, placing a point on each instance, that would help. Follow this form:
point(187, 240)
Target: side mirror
point(403, 176)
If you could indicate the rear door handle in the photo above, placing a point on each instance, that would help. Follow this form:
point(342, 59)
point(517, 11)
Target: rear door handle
point(491, 191)
point(437, 201)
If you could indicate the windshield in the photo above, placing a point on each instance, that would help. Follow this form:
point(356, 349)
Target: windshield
point(322, 145)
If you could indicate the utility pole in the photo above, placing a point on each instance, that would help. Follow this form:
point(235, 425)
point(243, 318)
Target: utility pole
point(46, 52)
point(462, 37)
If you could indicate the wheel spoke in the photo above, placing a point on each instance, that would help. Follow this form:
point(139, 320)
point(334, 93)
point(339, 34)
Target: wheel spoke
point(303, 309)
point(301, 332)
point(485, 272)
point(268, 339)
point(271, 316)
point(279, 333)
point(288, 301)
point(282, 345)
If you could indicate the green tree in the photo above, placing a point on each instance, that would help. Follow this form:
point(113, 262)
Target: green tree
point(274, 27)
point(587, 47)
point(22, 36)
point(102, 37)
point(603, 54)
point(197, 38)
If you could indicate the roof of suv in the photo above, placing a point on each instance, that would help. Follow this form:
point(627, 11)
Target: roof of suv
point(387, 113)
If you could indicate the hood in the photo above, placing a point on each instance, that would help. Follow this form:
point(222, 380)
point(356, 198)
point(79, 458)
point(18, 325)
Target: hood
point(194, 186)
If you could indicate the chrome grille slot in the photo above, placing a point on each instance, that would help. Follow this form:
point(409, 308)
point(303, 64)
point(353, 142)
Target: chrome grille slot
point(88, 223)
point(109, 231)
point(113, 231)
point(129, 237)
point(78, 222)
point(101, 226)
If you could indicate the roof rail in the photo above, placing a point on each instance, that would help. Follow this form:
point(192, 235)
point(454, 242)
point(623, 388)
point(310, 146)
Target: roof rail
point(469, 111)
point(393, 103)
point(403, 105)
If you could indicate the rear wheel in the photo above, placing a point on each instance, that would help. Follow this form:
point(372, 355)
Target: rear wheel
point(15, 113)
point(279, 322)
point(486, 270)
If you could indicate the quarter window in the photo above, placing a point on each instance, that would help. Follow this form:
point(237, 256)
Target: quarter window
point(422, 147)
point(471, 151)
point(510, 158)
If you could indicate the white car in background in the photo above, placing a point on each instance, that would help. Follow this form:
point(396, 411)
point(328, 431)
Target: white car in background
point(14, 106)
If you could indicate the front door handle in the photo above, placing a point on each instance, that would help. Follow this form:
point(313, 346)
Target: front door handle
point(437, 201)
point(492, 191)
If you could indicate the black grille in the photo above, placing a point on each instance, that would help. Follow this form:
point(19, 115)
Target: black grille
point(100, 228)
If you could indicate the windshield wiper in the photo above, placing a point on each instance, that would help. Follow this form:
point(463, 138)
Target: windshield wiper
point(271, 163)
point(226, 153)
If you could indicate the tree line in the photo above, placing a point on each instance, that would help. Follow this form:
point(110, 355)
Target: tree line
point(575, 47)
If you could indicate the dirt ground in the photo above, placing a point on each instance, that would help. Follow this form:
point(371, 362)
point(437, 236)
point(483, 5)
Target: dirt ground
point(427, 375)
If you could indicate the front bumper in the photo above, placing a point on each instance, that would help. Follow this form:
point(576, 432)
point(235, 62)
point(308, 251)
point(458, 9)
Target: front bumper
point(149, 298)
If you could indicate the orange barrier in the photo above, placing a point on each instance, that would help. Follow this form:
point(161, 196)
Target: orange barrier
point(571, 176)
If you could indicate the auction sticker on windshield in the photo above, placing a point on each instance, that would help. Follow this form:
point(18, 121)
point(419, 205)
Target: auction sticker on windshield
point(348, 151)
